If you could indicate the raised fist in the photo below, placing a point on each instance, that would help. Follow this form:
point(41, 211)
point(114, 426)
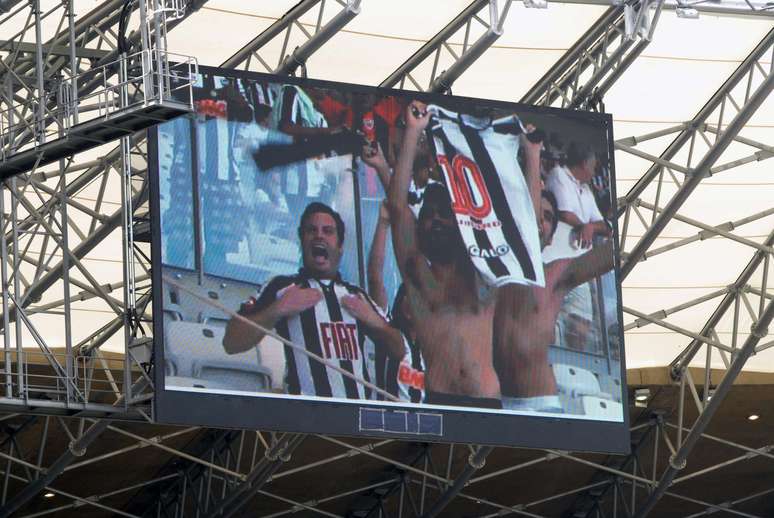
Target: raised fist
point(417, 116)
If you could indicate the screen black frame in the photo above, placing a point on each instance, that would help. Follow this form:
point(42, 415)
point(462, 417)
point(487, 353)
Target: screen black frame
point(342, 418)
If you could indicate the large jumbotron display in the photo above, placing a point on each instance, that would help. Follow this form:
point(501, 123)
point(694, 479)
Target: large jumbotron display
point(341, 259)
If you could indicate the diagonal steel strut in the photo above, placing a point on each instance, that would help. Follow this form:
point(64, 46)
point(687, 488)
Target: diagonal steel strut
point(442, 82)
point(590, 67)
point(677, 462)
point(702, 169)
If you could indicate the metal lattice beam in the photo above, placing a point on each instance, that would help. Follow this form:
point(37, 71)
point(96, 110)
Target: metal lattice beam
point(731, 298)
point(678, 460)
point(252, 54)
point(472, 16)
point(52, 202)
point(588, 69)
point(274, 457)
point(476, 461)
point(756, 83)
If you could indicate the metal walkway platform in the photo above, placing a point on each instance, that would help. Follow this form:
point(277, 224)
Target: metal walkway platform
point(88, 135)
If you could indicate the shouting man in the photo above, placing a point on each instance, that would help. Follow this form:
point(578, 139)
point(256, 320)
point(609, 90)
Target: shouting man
point(317, 308)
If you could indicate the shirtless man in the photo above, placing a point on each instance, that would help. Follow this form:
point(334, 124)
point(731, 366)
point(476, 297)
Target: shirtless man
point(451, 309)
point(526, 317)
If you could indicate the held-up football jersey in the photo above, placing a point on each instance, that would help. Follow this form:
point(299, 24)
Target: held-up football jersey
point(489, 194)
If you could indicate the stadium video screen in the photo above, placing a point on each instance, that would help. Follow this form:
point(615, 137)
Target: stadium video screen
point(341, 259)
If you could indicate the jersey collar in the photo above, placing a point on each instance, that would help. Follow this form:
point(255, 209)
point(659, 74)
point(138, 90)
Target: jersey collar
point(306, 274)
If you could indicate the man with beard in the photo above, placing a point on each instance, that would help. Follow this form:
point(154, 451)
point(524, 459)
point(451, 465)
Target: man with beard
point(525, 320)
point(317, 308)
point(450, 306)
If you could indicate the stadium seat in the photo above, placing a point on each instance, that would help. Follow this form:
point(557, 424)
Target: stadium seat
point(230, 294)
point(180, 304)
point(575, 381)
point(602, 408)
point(229, 375)
point(559, 333)
point(182, 382)
point(273, 358)
point(172, 382)
point(170, 304)
point(570, 404)
point(195, 351)
point(610, 385)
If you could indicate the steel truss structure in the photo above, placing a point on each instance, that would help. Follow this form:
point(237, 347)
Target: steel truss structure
point(76, 258)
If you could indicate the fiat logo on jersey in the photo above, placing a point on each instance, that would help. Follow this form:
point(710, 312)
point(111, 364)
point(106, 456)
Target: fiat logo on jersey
point(488, 253)
point(343, 337)
point(469, 194)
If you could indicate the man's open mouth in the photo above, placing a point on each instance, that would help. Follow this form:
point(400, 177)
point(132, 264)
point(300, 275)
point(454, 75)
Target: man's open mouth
point(319, 251)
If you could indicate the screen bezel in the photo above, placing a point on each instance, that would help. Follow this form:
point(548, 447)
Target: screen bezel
point(342, 418)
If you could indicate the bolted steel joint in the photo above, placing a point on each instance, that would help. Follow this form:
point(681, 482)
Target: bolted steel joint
point(285, 455)
point(677, 465)
point(476, 463)
point(75, 450)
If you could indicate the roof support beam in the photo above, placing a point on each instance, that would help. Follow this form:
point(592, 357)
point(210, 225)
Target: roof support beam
point(678, 461)
point(682, 361)
point(36, 290)
point(590, 67)
point(476, 461)
point(589, 501)
point(244, 55)
point(301, 54)
point(470, 53)
point(27, 47)
point(274, 457)
point(75, 449)
point(732, 8)
point(289, 63)
point(753, 100)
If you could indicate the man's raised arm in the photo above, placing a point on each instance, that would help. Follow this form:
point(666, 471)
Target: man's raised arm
point(410, 260)
point(592, 264)
point(373, 156)
point(375, 272)
point(532, 148)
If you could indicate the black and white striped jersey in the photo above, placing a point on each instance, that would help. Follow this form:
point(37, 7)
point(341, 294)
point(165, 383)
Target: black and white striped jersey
point(489, 194)
point(404, 379)
point(326, 330)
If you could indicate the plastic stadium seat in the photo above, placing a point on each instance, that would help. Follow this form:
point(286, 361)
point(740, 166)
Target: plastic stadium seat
point(227, 375)
point(570, 404)
point(559, 333)
point(191, 308)
point(179, 302)
point(172, 382)
point(170, 304)
point(182, 305)
point(575, 381)
point(610, 385)
point(599, 407)
point(230, 294)
point(273, 358)
point(182, 381)
point(195, 350)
